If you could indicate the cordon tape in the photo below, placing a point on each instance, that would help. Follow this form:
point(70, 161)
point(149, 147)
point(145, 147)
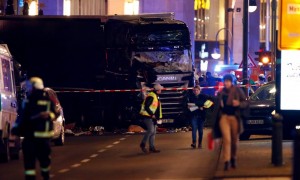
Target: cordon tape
point(144, 90)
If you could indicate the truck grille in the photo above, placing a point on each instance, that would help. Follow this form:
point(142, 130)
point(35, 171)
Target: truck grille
point(173, 102)
point(260, 112)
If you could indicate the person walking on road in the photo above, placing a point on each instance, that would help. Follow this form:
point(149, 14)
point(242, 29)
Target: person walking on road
point(151, 112)
point(197, 113)
point(35, 125)
point(231, 100)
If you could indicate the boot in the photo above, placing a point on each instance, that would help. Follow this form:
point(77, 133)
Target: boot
point(143, 148)
point(233, 163)
point(154, 150)
point(193, 145)
point(226, 166)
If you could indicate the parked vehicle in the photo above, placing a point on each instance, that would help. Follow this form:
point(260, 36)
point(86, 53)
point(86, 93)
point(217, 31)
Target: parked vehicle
point(59, 123)
point(262, 105)
point(9, 144)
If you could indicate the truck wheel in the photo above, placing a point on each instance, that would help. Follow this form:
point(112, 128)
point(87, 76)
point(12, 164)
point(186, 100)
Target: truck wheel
point(4, 151)
point(60, 141)
point(245, 136)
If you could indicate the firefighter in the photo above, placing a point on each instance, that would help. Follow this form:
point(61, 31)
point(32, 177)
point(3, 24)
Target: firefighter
point(151, 112)
point(35, 124)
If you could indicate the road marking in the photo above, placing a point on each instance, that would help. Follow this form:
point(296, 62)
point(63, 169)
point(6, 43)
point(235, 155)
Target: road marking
point(94, 155)
point(102, 150)
point(85, 160)
point(63, 170)
point(117, 142)
point(75, 165)
point(109, 146)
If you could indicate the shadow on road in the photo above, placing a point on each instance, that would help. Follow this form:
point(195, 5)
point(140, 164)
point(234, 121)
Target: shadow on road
point(186, 149)
point(135, 155)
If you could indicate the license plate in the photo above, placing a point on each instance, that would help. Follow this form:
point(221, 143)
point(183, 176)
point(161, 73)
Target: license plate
point(255, 122)
point(167, 120)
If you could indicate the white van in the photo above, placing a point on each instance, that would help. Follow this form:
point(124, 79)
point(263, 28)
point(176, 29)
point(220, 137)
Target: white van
point(9, 144)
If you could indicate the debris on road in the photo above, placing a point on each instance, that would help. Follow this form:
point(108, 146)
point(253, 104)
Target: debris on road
point(135, 129)
point(72, 130)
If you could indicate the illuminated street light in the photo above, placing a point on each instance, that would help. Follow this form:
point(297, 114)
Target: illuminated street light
point(252, 6)
point(216, 53)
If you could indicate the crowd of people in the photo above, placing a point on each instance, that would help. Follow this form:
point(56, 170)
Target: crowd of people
point(212, 84)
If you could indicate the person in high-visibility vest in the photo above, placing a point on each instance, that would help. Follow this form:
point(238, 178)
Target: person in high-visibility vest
point(151, 112)
point(35, 124)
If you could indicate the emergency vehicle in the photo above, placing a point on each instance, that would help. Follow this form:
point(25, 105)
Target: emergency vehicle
point(9, 144)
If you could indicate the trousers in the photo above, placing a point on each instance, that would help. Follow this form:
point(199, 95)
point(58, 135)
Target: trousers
point(150, 134)
point(197, 125)
point(229, 128)
point(36, 149)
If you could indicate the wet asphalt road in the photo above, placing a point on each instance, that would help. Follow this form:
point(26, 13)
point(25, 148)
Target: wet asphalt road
point(118, 157)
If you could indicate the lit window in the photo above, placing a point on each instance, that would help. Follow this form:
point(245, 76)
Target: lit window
point(209, 18)
point(33, 8)
point(67, 7)
point(131, 7)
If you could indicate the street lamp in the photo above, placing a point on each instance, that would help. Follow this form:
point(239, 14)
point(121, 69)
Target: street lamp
point(252, 6)
point(216, 53)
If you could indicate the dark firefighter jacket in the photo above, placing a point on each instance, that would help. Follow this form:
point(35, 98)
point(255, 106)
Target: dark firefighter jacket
point(30, 123)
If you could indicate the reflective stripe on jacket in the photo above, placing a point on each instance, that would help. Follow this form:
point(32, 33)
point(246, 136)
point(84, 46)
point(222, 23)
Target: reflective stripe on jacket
point(153, 107)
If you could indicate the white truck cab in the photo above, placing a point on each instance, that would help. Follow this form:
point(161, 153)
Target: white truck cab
point(9, 144)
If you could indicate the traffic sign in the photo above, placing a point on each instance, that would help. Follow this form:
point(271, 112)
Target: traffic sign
point(289, 28)
point(251, 63)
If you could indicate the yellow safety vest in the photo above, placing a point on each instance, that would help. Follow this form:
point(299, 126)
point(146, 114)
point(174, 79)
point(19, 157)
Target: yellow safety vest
point(47, 132)
point(153, 107)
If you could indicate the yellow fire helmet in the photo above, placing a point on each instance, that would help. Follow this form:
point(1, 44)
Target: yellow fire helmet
point(37, 82)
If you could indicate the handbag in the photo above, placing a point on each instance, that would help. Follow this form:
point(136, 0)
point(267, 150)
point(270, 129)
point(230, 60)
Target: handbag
point(210, 141)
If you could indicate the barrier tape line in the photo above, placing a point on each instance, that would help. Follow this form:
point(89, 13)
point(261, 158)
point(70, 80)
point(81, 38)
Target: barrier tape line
point(143, 90)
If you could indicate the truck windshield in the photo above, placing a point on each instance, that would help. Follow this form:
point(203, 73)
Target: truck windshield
point(166, 61)
point(162, 38)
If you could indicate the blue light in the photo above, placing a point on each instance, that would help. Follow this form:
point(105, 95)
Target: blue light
point(21, 3)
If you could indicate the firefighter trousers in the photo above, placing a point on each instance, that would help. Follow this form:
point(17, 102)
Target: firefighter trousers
point(36, 149)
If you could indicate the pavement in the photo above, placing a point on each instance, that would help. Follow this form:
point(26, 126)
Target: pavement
point(254, 162)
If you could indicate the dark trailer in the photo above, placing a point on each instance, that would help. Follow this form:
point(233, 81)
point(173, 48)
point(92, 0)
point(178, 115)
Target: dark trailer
point(66, 52)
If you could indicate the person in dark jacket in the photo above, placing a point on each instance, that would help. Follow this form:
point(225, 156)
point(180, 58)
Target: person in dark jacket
point(210, 84)
point(35, 125)
point(197, 112)
point(231, 100)
point(151, 112)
